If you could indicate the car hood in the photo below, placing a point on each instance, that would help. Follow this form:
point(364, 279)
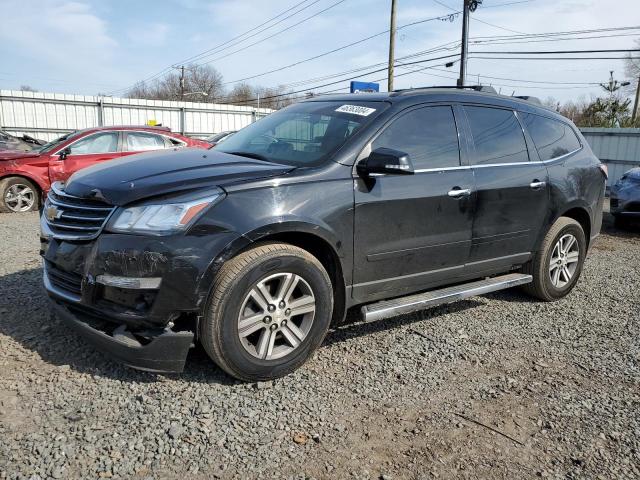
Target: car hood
point(141, 176)
point(17, 154)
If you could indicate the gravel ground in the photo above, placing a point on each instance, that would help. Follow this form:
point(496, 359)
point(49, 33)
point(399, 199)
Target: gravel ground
point(495, 387)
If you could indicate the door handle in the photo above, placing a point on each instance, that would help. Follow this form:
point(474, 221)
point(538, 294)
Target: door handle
point(536, 184)
point(459, 192)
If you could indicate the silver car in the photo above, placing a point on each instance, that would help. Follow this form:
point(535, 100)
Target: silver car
point(625, 197)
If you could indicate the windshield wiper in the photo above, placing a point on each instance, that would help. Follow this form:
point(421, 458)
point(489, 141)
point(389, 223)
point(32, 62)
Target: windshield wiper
point(255, 156)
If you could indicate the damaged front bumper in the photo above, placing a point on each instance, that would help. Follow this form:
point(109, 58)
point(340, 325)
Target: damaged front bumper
point(136, 298)
point(160, 351)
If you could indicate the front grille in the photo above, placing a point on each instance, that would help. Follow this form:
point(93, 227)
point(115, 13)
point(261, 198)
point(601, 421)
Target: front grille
point(74, 218)
point(63, 280)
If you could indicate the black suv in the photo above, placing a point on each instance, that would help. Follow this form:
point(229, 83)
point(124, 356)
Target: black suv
point(395, 202)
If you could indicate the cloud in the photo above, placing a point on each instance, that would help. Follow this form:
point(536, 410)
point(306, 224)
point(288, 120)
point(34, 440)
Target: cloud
point(149, 35)
point(53, 31)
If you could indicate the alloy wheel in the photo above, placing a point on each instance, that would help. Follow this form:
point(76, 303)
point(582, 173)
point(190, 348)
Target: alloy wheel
point(19, 198)
point(276, 316)
point(564, 260)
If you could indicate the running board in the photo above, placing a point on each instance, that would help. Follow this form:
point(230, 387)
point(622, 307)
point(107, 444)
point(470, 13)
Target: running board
point(421, 301)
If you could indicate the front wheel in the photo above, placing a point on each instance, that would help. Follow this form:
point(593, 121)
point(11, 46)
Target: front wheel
point(557, 265)
point(17, 195)
point(270, 308)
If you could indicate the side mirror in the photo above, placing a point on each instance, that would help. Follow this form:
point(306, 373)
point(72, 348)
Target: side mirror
point(64, 153)
point(386, 160)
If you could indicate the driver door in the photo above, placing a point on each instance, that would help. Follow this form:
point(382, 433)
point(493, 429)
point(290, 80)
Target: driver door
point(97, 147)
point(414, 231)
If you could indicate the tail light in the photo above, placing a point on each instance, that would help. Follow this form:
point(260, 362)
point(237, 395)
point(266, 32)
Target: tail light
point(604, 169)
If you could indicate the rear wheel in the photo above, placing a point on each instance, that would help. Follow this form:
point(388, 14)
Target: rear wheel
point(557, 265)
point(269, 310)
point(18, 195)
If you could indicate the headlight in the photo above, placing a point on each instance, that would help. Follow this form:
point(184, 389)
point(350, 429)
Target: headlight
point(161, 218)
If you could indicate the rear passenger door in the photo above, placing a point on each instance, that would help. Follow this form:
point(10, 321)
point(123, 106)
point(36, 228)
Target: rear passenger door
point(413, 231)
point(512, 194)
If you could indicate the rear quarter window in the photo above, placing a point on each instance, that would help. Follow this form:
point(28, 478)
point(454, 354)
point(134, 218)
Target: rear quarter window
point(552, 138)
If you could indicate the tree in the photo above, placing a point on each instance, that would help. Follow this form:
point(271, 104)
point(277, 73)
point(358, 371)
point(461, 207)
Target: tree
point(27, 88)
point(632, 64)
point(202, 83)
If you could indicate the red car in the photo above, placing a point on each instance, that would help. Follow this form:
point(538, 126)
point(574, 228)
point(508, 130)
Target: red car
point(25, 177)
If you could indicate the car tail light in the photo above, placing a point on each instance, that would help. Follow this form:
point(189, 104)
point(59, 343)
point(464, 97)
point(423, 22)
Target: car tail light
point(604, 169)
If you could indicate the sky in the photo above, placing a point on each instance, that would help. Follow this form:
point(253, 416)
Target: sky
point(104, 46)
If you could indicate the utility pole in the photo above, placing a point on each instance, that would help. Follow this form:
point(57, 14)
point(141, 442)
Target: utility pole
point(465, 44)
point(634, 113)
point(392, 44)
point(468, 7)
point(181, 82)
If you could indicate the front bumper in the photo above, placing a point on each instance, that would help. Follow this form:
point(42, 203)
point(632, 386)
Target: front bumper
point(624, 203)
point(162, 352)
point(135, 298)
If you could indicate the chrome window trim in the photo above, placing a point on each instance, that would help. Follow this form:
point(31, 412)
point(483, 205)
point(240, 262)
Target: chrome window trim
point(183, 144)
point(84, 138)
point(540, 162)
point(163, 135)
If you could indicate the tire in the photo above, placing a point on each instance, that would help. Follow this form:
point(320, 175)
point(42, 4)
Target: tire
point(236, 297)
point(544, 285)
point(18, 194)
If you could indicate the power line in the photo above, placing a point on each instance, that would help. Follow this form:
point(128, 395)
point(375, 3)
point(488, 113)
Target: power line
point(442, 4)
point(270, 36)
point(357, 42)
point(542, 40)
point(341, 80)
point(527, 81)
point(554, 52)
point(217, 48)
point(169, 68)
point(556, 58)
point(568, 32)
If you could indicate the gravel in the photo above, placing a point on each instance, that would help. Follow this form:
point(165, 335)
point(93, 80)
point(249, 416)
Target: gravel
point(498, 386)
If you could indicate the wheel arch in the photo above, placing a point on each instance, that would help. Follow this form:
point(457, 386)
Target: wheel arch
point(316, 240)
point(581, 215)
point(41, 189)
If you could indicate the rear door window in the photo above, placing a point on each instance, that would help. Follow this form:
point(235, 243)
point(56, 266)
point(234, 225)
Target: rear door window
point(552, 138)
point(428, 135)
point(142, 141)
point(497, 136)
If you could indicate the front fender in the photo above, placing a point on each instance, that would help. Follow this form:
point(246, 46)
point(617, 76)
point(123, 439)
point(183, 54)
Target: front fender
point(262, 233)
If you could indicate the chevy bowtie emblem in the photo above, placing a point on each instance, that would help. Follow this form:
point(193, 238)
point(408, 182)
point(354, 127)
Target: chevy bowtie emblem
point(52, 213)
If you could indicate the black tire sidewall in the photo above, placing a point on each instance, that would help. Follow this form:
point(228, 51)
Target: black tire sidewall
point(8, 182)
point(233, 351)
point(551, 289)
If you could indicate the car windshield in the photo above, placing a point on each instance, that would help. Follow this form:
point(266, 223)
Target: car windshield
point(218, 136)
point(303, 134)
point(54, 143)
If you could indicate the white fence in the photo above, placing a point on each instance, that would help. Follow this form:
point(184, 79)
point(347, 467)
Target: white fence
point(49, 115)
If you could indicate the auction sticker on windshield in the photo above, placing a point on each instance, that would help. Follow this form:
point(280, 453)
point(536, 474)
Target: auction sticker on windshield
point(356, 110)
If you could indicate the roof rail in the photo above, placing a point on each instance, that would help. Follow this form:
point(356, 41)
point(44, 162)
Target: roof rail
point(477, 88)
point(529, 98)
